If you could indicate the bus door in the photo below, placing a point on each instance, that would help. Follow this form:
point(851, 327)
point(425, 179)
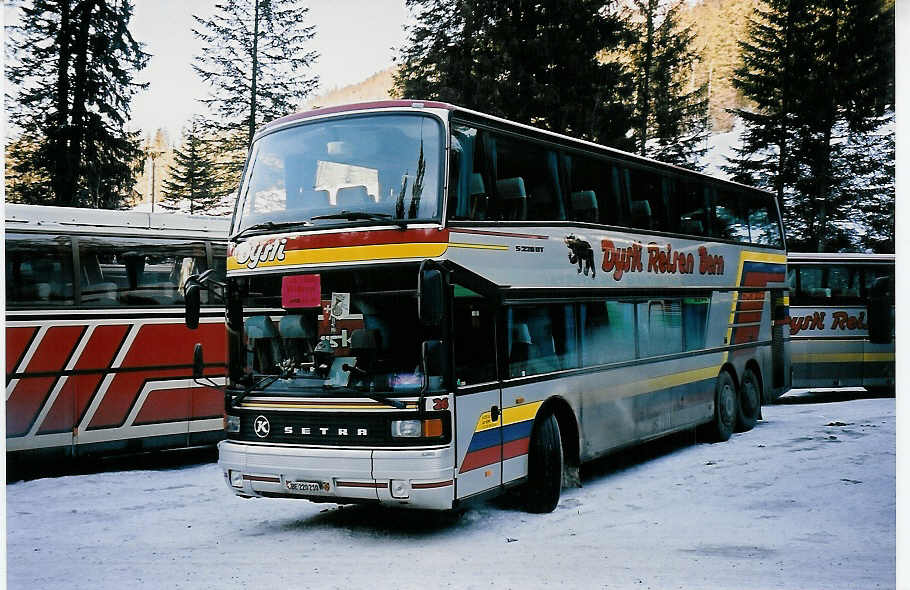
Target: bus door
point(780, 343)
point(478, 397)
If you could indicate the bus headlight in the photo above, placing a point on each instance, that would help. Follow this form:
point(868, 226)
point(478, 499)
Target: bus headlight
point(232, 423)
point(431, 428)
point(406, 428)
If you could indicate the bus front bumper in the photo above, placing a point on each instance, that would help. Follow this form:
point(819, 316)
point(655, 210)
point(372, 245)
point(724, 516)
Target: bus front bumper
point(410, 478)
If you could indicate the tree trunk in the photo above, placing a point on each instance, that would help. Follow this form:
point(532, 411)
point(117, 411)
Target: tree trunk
point(255, 73)
point(58, 142)
point(80, 97)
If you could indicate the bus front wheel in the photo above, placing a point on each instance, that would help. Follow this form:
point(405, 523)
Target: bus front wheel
point(749, 406)
point(725, 409)
point(541, 492)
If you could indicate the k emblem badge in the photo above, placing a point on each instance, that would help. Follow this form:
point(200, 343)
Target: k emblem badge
point(261, 426)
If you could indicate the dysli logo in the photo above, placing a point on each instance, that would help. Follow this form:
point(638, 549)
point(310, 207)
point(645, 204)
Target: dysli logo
point(261, 426)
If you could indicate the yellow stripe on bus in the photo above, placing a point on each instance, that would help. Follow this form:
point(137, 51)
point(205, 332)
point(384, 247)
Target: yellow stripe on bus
point(843, 357)
point(351, 254)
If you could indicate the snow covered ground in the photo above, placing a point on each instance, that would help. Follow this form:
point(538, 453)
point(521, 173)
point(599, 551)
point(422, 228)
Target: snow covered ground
point(806, 500)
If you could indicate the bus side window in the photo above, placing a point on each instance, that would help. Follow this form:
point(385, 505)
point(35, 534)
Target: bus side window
point(693, 209)
point(761, 215)
point(648, 205)
point(812, 283)
point(659, 327)
point(729, 220)
point(879, 282)
point(607, 330)
point(39, 270)
point(843, 281)
point(537, 169)
point(475, 346)
point(540, 339)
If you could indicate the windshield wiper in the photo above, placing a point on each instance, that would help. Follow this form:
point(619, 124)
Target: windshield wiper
point(271, 226)
point(261, 384)
point(373, 396)
point(364, 215)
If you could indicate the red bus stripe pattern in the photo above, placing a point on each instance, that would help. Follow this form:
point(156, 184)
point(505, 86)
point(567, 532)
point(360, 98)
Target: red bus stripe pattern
point(143, 349)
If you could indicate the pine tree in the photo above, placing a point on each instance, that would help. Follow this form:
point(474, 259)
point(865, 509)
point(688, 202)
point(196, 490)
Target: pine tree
point(254, 57)
point(546, 63)
point(192, 177)
point(821, 75)
point(671, 112)
point(72, 67)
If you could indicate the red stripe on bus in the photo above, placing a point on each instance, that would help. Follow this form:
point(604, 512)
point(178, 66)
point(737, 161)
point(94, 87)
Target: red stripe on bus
point(747, 317)
point(76, 394)
point(166, 405)
point(17, 341)
point(158, 345)
point(745, 334)
point(481, 458)
point(760, 279)
point(750, 305)
point(361, 484)
point(436, 484)
point(515, 448)
point(367, 238)
point(30, 393)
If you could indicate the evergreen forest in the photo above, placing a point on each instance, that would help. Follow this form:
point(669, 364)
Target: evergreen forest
point(802, 89)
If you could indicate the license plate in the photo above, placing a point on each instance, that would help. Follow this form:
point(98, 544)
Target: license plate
point(307, 486)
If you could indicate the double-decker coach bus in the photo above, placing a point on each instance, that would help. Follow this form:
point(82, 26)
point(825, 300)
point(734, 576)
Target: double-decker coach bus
point(426, 304)
point(96, 350)
point(842, 320)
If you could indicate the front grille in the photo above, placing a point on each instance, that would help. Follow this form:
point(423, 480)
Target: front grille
point(369, 429)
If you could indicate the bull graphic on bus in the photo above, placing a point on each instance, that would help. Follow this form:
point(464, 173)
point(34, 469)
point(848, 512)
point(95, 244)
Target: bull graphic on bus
point(581, 253)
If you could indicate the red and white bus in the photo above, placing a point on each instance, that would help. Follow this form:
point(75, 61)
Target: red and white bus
point(96, 349)
point(427, 305)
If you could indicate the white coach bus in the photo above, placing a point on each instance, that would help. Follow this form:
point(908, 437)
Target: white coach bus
point(96, 349)
point(427, 305)
point(842, 320)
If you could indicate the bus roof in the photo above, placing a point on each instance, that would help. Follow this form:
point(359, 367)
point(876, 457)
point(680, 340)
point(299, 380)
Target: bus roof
point(107, 221)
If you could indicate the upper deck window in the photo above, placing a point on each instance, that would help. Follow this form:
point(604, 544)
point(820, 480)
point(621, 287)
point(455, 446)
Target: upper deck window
point(364, 169)
point(504, 176)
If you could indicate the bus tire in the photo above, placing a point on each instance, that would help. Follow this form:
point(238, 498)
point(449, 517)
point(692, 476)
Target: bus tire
point(725, 406)
point(749, 407)
point(541, 492)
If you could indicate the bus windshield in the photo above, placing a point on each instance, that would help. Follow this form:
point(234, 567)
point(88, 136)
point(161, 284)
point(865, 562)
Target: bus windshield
point(358, 334)
point(354, 170)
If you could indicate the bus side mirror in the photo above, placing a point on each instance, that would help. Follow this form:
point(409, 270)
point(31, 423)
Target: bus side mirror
point(197, 361)
point(191, 299)
point(430, 297)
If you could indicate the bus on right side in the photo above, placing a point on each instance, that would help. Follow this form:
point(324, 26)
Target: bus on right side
point(842, 320)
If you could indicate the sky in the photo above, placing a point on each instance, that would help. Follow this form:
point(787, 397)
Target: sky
point(353, 37)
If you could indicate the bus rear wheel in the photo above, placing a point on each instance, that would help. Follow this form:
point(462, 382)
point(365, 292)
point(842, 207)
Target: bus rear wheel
point(541, 492)
point(725, 407)
point(749, 406)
